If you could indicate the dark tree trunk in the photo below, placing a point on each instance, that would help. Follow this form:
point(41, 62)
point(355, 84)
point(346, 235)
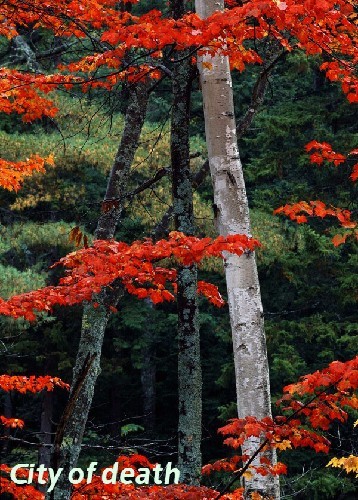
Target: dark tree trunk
point(46, 429)
point(8, 414)
point(148, 373)
point(189, 366)
point(46, 433)
point(67, 445)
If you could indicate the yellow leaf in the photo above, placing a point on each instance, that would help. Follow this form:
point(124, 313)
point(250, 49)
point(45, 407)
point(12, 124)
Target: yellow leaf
point(207, 65)
point(50, 160)
point(283, 445)
point(247, 474)
point(349, 464)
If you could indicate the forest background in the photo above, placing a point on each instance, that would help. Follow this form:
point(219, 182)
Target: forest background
point(308, 285)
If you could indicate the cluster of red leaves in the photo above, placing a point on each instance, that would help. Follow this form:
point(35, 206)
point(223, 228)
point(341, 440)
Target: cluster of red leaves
point(276, 431)
point(70, 18)
point(315, 209)
point(90, 269)
point(334, 388)
point(236, 462)
point(24, 384)
point(97, 491)
point(13, 173)
point(315, 27)
point(328, 391)
point(34, 384)
point(27, 492)
point(323, 152)
point(311, 25)
point(11, 422)
point(23, 93)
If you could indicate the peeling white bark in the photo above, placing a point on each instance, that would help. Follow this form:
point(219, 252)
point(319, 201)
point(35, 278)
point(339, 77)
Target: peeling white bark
point(232, 216)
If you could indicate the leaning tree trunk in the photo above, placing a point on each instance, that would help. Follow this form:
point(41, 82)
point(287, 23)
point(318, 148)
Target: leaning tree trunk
point(232, 216)
point(69, 434)
point(189, 365)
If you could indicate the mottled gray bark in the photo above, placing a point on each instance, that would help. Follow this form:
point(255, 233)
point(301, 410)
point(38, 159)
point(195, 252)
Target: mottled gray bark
point(161, 230)
point(70, 431)
point(21, 52)
point(232, 216)
point(189, 365)
point(117, 182)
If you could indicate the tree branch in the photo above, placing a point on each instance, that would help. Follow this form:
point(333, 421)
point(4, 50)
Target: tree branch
point(242, 471)
point(258, 94)
point(161, 229)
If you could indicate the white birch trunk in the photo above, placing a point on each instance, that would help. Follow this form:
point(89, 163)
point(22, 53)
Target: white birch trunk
point(232, 216)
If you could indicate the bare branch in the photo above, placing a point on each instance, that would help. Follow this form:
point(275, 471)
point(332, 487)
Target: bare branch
point(258, 94)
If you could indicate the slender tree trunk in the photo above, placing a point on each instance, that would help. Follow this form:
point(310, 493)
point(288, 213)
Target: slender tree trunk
point(7, 412)
point(69, 434)
point(46, 433)
point(148, 373)
point(232, 216)
point(46, 429)
point(189, 365)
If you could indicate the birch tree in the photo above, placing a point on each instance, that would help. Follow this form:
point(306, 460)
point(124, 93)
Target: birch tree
point(232, 216)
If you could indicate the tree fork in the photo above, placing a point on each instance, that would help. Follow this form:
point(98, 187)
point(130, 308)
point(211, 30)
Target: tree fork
point(69, 434)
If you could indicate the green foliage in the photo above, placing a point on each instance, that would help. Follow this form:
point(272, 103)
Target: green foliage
point(319, 485)
point(32, 246)
point(129, 428)
point(13, 281)
point(300, 106)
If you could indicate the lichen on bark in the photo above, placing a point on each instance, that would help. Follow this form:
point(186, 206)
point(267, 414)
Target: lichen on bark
point(189, 365)
point(69, 434)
